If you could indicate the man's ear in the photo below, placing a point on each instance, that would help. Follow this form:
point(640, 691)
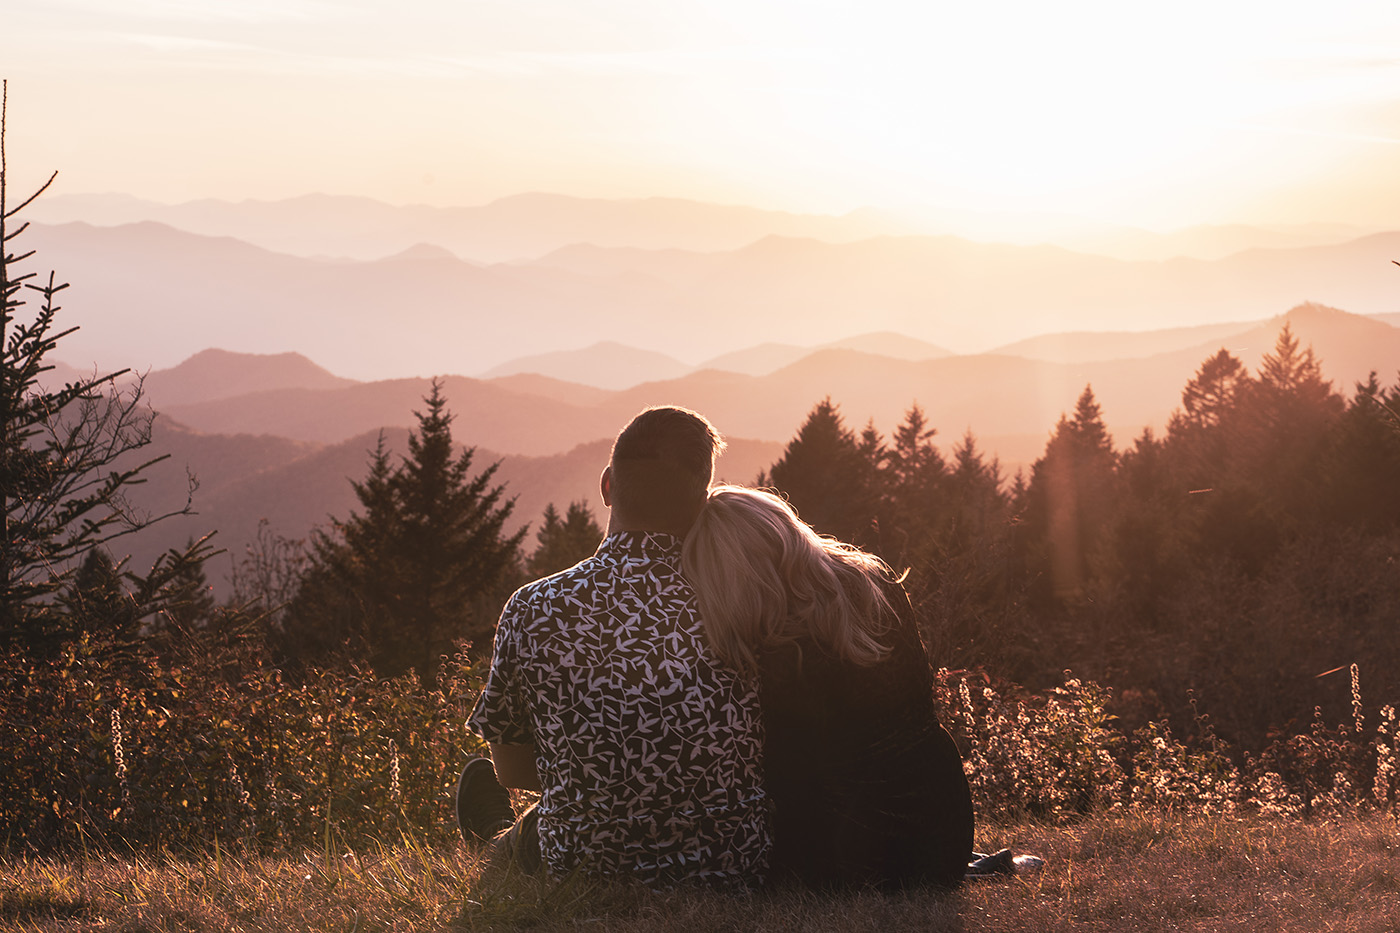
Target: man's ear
point(605, 486)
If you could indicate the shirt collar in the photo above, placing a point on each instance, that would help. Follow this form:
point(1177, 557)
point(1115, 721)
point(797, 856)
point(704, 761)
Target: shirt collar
point(644, 545)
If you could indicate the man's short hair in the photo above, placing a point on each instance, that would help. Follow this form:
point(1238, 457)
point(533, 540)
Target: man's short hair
point(662, 464)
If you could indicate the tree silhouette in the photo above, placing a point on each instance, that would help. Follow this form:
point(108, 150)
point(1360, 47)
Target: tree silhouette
point(1070, 497)
point(1277, 438)
point(68, 458)
point(561, 543)
point(974, 491)
point(912, 490)
point(1364, 460)
point(1211, 392)
point(826, 473)
point(97, 601)
point(419, 568)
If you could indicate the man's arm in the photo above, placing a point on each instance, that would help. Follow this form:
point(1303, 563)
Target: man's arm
point(515, 766)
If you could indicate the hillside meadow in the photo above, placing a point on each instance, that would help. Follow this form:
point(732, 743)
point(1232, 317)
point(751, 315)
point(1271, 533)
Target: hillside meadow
point(1107, 873)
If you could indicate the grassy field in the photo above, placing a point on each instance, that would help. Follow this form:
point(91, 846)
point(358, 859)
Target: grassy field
point(1107, 873)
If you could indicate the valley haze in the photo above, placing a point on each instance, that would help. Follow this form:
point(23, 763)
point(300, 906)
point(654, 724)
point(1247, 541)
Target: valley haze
point(150, 295)
point(274, 372)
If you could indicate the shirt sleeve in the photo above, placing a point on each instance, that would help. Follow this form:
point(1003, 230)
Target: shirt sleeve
point(501, 715)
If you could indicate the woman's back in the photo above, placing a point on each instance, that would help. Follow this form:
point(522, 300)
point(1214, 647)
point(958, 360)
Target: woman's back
point(867, 786)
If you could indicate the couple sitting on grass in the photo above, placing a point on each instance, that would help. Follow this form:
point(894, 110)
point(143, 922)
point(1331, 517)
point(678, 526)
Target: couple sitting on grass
point(717, 696)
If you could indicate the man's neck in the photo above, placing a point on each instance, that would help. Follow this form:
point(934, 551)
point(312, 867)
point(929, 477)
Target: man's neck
point(616, 524)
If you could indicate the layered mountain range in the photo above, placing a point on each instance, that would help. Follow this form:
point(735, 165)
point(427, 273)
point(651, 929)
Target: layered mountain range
point(288, 450)
point(527, 226)
point(150, 295)
point(552, 320)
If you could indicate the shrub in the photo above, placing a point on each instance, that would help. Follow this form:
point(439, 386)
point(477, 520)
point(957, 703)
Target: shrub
point(1059, 755)
point(1049, 756)
point(219, 747)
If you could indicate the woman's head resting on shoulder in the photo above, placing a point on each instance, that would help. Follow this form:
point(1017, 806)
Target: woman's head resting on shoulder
point(763, 578)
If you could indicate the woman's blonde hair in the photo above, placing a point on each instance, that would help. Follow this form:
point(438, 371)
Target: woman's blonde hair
point(764, 578)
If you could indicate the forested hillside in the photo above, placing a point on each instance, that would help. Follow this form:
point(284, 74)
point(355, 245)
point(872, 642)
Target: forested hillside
point(1245, 555)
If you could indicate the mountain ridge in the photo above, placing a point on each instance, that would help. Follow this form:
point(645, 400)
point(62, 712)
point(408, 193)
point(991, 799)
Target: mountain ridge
point(166, 294)
point(213, 373)
point(993, 394)
point(531, 224)
point(525, 225)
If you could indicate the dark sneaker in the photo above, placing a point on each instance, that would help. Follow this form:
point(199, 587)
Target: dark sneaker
point(483, 805)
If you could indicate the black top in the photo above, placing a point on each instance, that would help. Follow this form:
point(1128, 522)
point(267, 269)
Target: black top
point(867, 786)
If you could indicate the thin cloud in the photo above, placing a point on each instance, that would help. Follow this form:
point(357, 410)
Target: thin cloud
point(223, 54)
point(207, 11)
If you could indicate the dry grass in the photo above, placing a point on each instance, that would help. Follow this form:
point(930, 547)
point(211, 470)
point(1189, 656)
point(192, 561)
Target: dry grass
point(1103, 874)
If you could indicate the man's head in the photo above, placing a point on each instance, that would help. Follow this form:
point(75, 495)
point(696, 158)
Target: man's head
point(660, 471)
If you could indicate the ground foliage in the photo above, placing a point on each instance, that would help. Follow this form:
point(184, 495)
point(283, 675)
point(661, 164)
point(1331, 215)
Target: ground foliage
point(1109, 873)
point(209, 745)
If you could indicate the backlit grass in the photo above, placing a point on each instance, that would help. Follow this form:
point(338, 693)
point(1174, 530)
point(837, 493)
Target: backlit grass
point(1109, 873)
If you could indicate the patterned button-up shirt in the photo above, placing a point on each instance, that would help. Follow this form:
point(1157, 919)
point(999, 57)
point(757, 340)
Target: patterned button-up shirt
point(648, 748)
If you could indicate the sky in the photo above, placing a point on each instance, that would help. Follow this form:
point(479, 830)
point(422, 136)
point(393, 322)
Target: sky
point(1153, 115)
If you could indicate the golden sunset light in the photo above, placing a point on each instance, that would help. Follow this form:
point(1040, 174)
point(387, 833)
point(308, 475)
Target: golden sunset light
point(666, 466)
point(1158, 117)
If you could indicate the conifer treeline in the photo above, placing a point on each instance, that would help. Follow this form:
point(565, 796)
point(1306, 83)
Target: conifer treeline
point(1251, 548)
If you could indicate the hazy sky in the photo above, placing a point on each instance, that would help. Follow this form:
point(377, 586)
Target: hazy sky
point(1153, 114)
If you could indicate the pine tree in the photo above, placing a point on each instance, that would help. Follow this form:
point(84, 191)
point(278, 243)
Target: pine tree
point(914, 504)
point(1210, 394)
point(974, 490)
point(826, 473)
point(68, 457)
point(1070, 496)
point(98, 603)
point(1199, 434)
point(964, 585)
point(422, 566)
point(1364, 460)
point(189, 598)
point(1279, 434)
point(561, 543)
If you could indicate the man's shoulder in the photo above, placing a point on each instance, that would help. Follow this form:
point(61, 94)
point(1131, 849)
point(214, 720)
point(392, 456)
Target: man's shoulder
point(559, 583)
point(620, 554)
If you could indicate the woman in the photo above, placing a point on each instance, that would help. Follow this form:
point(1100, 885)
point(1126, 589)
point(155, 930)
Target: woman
point(867, 787)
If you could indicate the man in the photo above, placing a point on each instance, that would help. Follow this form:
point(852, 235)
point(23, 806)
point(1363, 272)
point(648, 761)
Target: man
point(603, 695)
